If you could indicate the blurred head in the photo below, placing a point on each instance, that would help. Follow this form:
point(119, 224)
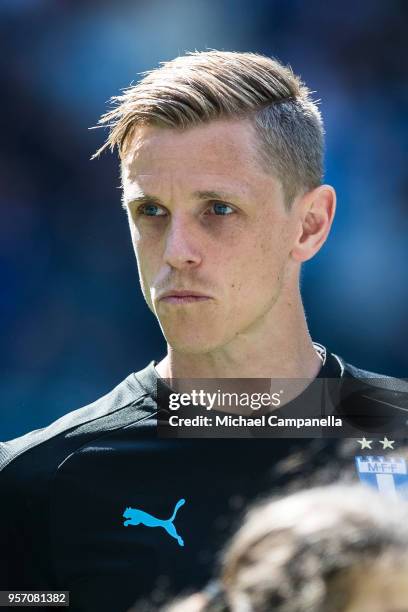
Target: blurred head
point(221, 168)
point(330, 549)
point(315, 550)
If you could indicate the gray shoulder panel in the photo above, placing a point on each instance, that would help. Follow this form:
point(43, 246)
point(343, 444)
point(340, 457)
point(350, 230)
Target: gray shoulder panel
point(381, 381)
point(128, 392)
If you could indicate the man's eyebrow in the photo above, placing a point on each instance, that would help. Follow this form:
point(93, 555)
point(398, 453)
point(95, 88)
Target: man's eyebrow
point(143, 198)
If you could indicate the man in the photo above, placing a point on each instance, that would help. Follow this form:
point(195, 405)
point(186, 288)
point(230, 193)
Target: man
point(221, 157)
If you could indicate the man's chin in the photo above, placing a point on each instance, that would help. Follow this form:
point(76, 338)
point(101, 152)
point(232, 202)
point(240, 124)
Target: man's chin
point(194, 343)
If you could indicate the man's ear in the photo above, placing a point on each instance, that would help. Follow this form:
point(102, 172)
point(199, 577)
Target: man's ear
point(316, 214)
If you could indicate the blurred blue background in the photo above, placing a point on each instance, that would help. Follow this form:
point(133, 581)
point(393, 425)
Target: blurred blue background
point(73, 321)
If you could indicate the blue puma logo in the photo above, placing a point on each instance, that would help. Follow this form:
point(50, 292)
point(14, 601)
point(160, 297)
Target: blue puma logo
point(134, 516)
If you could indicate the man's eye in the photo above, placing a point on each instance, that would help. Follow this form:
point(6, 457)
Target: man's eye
point(219, 208)
point(151, 210)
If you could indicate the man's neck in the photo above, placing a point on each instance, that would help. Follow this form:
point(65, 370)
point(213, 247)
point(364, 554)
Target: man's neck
point(267, 350)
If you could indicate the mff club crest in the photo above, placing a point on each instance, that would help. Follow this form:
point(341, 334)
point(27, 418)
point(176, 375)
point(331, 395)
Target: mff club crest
point(388, 475)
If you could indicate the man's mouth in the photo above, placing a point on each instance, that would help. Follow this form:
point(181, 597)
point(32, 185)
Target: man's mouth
point(186, 299)
point(182, 296)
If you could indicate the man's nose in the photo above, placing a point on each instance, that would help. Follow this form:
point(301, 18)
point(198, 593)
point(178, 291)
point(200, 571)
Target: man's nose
point(182, 248)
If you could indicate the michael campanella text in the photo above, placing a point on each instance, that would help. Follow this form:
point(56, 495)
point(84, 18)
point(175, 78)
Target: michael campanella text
point(261, 421)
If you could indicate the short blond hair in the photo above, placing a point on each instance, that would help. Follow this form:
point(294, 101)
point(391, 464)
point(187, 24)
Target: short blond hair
point(205, 86)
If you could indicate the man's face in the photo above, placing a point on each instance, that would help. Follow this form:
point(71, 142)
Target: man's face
point(206, 218)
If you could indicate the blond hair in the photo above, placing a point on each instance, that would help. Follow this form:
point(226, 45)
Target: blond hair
point(205, 86)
